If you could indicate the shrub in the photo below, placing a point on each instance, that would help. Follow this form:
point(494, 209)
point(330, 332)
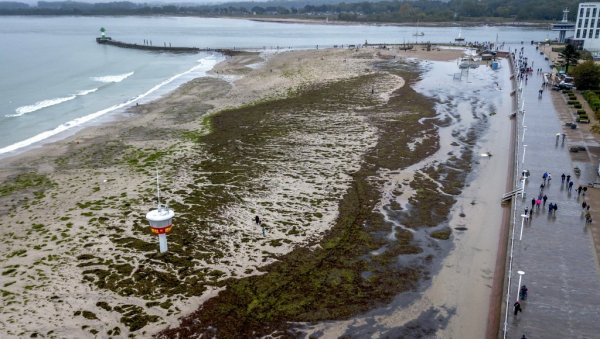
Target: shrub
point(572, 102)
point(581, 111)
point(577, 105)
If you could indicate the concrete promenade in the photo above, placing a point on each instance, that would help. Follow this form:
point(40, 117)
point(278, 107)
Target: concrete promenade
point(556, 251)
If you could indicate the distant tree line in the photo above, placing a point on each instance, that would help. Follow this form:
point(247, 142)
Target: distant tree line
point(349, 10)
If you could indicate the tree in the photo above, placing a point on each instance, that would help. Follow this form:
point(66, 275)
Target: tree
point(568, 56)
point(587, 75)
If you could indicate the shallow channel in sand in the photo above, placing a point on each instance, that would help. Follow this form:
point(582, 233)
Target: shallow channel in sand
point(454, 302)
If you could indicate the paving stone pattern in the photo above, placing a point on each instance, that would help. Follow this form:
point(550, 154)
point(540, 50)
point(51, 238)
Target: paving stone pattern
point(556, 253)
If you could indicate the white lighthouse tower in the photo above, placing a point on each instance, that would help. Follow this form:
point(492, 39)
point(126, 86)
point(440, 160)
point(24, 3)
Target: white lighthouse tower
point(161, 220)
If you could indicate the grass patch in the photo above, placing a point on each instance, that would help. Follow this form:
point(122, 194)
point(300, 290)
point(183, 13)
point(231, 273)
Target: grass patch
point(443, 234)
point(26, 181)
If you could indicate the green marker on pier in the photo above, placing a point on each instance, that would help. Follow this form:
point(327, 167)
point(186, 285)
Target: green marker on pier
point(103, 36)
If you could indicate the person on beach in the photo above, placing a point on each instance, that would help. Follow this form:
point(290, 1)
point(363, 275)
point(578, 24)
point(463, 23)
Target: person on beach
point(562, 178)
point(257, 220)
point(544, 198)
point(517, 307)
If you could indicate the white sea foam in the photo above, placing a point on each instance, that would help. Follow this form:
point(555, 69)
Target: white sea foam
point(48, 103)
point(86, 91)
point(39, 105)
point(203, 66)
point(113, 78)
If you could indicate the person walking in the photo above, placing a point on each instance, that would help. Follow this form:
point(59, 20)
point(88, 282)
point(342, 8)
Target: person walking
point(579, 190)
point(583, 205)
point(544, 198)
point(549, 177)
point(517, 307)
point(584, 190)
point(538, 203)
point(532, 203)
point(555, 208)
point(550, 208)
point(568, 178)
point(570, 186)
point(545, 176)
point(562, 178)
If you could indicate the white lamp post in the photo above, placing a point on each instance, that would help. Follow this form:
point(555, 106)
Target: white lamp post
point(519, 287)
point(524, 129)
point(523, 217)
point(524, 149)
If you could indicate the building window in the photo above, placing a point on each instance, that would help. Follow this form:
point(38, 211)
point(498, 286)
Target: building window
point(577, 34)
point(581, 12)
point(579, 23)
point(594, 12)
point(592, 23)
point(591, 32)
point(584, 33)
point(597, 33)
point(586, 24)
point(587, 12)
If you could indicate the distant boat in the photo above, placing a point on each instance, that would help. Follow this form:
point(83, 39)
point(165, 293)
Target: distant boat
point(459, 38)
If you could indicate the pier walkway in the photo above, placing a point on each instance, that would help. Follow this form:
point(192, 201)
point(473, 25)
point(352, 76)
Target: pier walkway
point(556, 252)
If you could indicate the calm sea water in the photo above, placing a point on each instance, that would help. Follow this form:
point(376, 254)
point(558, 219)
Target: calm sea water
point(56, 78)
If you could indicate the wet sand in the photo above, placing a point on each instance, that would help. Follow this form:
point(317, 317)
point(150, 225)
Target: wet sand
point(455, 302)
point(76, 230)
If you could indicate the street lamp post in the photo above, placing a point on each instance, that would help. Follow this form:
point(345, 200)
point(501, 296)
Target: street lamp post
point(519, 287)
point(524, 149)
point(523, 217)
point(524, 130)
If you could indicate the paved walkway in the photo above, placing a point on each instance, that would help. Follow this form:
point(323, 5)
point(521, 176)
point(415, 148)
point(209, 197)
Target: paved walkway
point(556, 251)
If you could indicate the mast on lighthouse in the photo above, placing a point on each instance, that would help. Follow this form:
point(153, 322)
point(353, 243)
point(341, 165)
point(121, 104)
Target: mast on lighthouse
point(160, 220)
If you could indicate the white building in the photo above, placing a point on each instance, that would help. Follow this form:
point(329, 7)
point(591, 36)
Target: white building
point(587, 26)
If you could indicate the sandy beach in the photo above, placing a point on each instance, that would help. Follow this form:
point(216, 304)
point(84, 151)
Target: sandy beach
point(79, 259)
